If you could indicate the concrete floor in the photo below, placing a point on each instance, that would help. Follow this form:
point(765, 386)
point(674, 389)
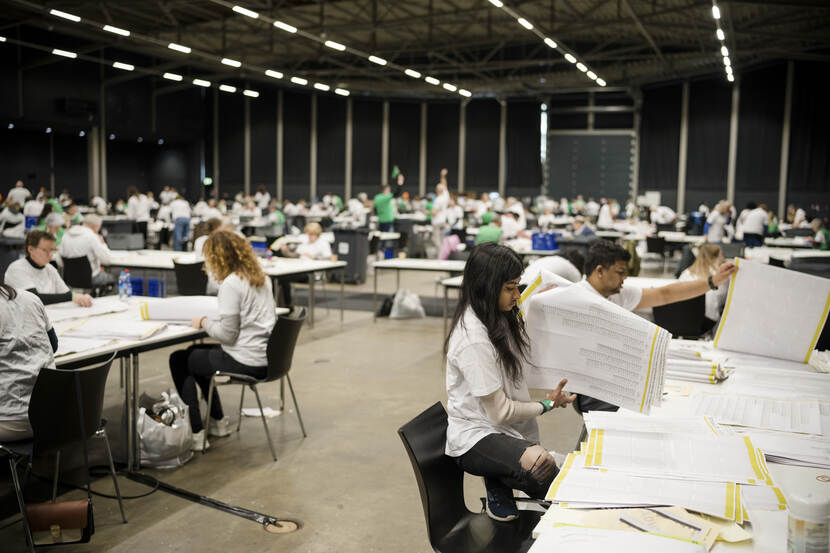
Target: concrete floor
point(349, 483)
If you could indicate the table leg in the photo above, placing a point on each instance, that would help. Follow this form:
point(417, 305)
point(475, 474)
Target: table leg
point(397, 280)
point(128, 410)
point(311, 300)
point(134, 408)
point(375, 298)
point(342, 288)
point(446, 302)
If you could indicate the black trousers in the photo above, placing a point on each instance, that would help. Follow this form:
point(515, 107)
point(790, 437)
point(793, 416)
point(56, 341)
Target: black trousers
point(195, 366)
point(497, 457)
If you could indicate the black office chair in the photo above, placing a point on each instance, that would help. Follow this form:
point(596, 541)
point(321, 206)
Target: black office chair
point(280, 352)
point(451, 527)
point(657, 245)
point(732, 250)
point(687, 259)
point(77, 272)
point(683, 318)
point(191, 279)
point(55, 421)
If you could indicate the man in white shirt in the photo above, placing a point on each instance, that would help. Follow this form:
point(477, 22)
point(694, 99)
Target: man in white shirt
point(606, 218)
point(591, 209)
point(19, 194)
point(180, 213)
point(663, 215)
point(36, 274)
point(167, 195)
point(137, 207)
point(754, 225)
point(32, 208)
point(605, 271)
point(85, 240)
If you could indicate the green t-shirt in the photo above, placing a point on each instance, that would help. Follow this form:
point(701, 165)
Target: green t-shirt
point(279, 218)
point(58, 236)
point(824, 244)
point(429, 211)
point(338, 203)
point(487, 217)
point(383, 207)
point(488, 233)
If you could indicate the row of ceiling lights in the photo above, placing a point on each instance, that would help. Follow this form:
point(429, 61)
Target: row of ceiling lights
point(283, 26)
point(551, 43)
point(724, 51)
point(300, 81)
point(82, 133)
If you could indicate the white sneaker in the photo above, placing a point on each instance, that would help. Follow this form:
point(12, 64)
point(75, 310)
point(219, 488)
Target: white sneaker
point(219, 428)
point(199, 439)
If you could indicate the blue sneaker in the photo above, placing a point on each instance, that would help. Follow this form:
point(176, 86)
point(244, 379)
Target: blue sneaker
point(500, 505)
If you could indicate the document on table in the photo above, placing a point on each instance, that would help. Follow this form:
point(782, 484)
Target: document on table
point(180, 309)
point(580, 539)
point(773, 311)
point(67, 345)
point(636, 422)
point(121, 329)
point(790, 449)
point(786, 414)
point(603, 350)
point(100, 306)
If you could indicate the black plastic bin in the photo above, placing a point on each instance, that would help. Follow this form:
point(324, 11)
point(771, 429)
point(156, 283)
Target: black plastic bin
point(351, 246)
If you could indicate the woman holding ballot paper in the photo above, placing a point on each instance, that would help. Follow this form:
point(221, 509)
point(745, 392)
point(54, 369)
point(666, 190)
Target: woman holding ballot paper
point(246, 319)
point(492, 430)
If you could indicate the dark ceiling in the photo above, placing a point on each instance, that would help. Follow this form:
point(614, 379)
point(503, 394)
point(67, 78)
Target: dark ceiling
point(469, 43)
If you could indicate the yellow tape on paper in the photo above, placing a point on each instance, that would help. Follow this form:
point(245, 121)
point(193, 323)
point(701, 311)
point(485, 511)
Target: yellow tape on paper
point(144, 310)
point(554, 486)
point(753, 460)
point(730, 501)
point(592, 445)
point(529, 290)
point(728, 303)
point(598, 456)
point(648, 374)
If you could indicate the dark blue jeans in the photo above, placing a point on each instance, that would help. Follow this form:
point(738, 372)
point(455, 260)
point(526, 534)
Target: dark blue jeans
point(181, 229)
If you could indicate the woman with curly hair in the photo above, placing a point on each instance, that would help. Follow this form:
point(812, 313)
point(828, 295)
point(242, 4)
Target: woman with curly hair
point(246, 319)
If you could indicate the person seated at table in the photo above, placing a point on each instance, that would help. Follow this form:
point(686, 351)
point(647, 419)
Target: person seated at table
point(72, 214)
point(605, 272)
point(492, 430)
point(54, 224)
point(568, 265)
point(491, 230)
point(821, 240)
point(11, 215)
point(313, 248)
point(581, 228)
point(709, 258)
point(85, 240)
point(246, 320)
point(201, 233)
point(36, 274)
point(28, 345)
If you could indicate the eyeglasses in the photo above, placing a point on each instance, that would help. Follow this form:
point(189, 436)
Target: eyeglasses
point(48, 251)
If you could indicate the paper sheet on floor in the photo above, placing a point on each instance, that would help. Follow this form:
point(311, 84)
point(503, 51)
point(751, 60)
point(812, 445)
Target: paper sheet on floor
point(181, 309)
point(773, 311)
point(573, 539)
point(786, 414)
point(68, 310)
point(604, 351)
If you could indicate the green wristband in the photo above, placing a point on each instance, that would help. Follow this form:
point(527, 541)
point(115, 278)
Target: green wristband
point(547, 405)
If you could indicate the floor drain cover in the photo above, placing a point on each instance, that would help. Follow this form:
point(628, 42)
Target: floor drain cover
point(282, 527)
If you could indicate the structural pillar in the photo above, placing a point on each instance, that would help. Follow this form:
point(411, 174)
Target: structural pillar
point(683, 150)
point(312, 173)
point(733, 141)
point(384, 146)
point(247, 147)
point(462, 144)
point(502, 147)
point(280, 155)
point(785, 143)
point(422, 153)
point(347, 178)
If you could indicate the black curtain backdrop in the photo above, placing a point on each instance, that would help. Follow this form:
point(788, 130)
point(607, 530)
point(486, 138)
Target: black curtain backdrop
point(567, 121)
point(331, 145)
point(264, 142)
point(710, 106)
point(524, 149)
point(71, 166)
point(405, 141)
point(296, 144)
point(660, 142)
point(367, 120)
point(809, 162)
point(481, 166)
point(128, 164)
point(24, 155)
point(231, 144)
point(442, 143)
point(761, 115)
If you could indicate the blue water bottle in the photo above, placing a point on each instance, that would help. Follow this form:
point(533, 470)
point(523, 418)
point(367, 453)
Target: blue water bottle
point(122, 286)
point(128, 283)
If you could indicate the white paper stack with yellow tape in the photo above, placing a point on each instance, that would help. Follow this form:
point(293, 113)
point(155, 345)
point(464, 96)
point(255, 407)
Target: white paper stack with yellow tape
point(181, 309)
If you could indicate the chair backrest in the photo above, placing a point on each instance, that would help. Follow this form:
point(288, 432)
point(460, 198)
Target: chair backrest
point(53, 407)
point(655, 244)
point(734, 249)
point(282, 341)
point(682, 318)
point(77, 272)
point(440, 480)
point(191, 280)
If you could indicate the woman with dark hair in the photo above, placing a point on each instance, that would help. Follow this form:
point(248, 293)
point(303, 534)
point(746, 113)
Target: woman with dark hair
point(27, 344)
point(492, 430)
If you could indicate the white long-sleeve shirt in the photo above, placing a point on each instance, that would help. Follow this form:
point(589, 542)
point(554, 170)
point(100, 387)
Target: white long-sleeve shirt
point(46, 280)
point(179, 208)
point(81, 240)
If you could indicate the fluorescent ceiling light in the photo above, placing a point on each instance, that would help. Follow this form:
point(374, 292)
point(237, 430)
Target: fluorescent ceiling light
point(550, 42)
point(335, 45)
point(592, 75)
point(730, 78)
point(465, 93)
point(600, 82)
point(432, 80)
point(116, 30)
point(570, 58)
point(124, 66)
point(232, 63)
point(64, 15)
point(2, 39)
point(412, 73)
point(201, 82)
point(450, 87)
point(48, 130)
point(227, 88)
point(245, 11)
point(525, 23)
point(250, 93)
point(497, 3)
point(729, 69)
point(172, 76)
point(724, 51)
point(179, 48)
point(273, 74)
point(321, 86)
point(377, 60)
point(726, 61)
point(285, 27)
point(720, 34)
point(581, 67)
point(299, 80)
point(715, 12)
point(64, 53)
point(341, 91)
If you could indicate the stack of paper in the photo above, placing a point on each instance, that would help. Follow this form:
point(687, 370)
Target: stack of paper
point(690, 370)
point(634, 422)
point(802, 415)
point(109, 329)
point(100, 306)
point(773, 312)
point(180, 309)
point(567, 538)
point(604, 351)
point(793, 449)
point(67, 345)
